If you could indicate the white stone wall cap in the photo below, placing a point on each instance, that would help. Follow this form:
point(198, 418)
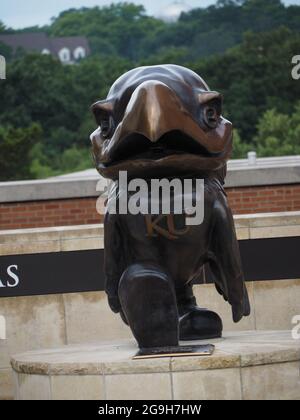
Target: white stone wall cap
point(267, 171)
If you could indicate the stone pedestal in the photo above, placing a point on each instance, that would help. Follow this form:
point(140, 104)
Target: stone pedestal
point(245, 365)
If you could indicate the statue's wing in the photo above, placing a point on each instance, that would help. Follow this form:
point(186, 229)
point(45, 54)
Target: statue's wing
point(224, 260)
point(221, 174)
point(113, 259)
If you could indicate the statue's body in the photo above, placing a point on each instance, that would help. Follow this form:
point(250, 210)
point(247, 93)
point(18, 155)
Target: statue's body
point(157, 122)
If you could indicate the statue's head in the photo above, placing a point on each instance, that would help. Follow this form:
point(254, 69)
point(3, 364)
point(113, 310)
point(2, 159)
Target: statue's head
point(160, 121)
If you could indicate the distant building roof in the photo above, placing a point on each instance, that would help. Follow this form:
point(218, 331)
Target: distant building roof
point(70, 42)
point(28, 41)
point(40, 42)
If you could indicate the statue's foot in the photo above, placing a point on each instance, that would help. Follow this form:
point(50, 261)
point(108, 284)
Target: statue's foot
point(196, 323)
point(148, 305)
point(200, 324)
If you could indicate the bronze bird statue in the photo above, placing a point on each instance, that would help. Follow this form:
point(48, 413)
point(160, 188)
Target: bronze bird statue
point(163, 122)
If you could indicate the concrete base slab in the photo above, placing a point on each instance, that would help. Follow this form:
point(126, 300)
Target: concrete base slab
point(245, 365)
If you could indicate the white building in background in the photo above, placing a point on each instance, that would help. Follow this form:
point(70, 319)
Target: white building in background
point(172, 12)
point(45, 51)
point(68, 49)
point(79, 53)
point(65, 55)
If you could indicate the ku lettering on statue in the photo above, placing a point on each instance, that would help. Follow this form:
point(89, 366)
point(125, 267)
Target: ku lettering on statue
point(171, 232)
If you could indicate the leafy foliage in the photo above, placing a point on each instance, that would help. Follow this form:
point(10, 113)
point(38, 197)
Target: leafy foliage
point(279, 133)
point(254, 76)
point(124, 29)
point(40, 89)
point(243, 48)
point(15, 147)
point(5, 50)
point(116, 29)
point(2, 27)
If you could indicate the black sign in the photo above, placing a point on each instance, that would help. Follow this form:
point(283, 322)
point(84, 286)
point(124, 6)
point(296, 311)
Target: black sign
point(82, 271)
point(58, 272)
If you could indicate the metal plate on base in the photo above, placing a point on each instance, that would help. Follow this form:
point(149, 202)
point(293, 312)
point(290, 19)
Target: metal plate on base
point(176, 351)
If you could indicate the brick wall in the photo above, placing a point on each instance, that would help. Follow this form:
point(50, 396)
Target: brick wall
point(49, 213)
point(273, 198)
point(83, 210)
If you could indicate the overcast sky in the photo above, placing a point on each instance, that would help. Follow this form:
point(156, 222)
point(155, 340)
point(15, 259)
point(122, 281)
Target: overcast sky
point(22, 13)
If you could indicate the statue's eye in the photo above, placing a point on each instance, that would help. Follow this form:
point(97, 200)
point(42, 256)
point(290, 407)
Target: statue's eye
point(107, 125)
point(210, 113)
point(210, 116)
point(211, 104)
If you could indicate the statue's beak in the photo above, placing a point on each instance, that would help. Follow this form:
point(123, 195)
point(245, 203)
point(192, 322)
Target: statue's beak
point(155, 110)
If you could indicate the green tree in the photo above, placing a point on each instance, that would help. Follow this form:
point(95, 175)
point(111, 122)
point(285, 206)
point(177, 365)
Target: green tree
point(170, 55)
point(2, 27)
point(5, 50)
point(254, 77)
point(240, 148)
point(278, 133)
point(41, 90)
point(15, 147)
point(71, 160)
point(116, 29)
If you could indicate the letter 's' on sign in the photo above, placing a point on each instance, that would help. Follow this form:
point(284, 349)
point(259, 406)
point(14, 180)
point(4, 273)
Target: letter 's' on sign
point(12, 277)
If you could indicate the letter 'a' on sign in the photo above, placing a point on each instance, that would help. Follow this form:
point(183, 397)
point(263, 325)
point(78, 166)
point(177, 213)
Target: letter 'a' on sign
point(2, 328)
